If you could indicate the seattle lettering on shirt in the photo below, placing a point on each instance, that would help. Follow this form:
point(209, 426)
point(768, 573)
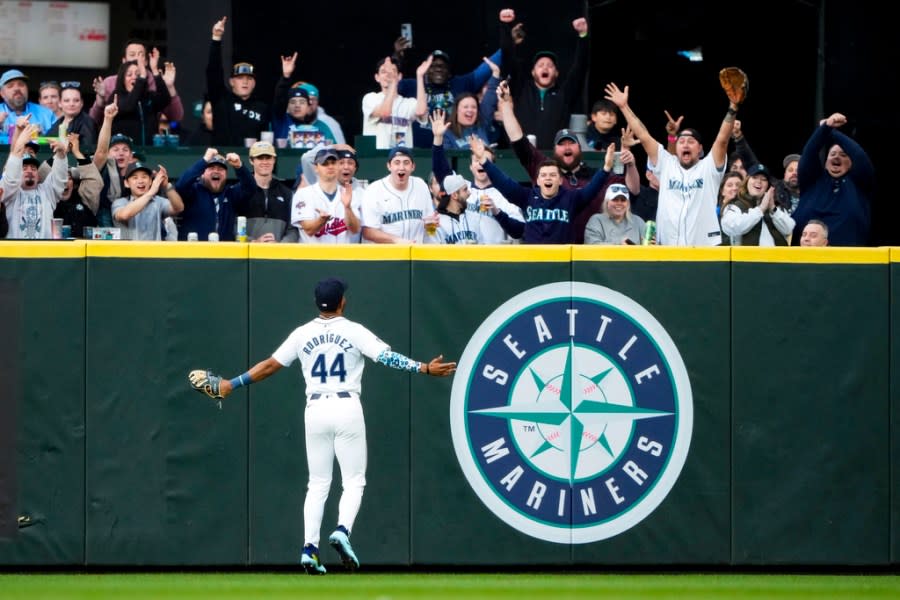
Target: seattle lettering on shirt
point(546, 214)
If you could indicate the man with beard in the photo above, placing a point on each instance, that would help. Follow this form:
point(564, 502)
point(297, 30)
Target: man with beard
point(326, 212)
point(14, 91)
point(487, 209)
point(268, 208)
point(394, 206)
point(30, 203)
point(236, 114)
point(689, 179)
point(543, 102)
point(209, 205)
point(452, 217)
point(787, 190)
point(574, 171)
point(838, 192)
point(549, 209)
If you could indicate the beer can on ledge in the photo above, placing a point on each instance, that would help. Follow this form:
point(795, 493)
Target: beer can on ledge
point(649, 233)
point(242, 229)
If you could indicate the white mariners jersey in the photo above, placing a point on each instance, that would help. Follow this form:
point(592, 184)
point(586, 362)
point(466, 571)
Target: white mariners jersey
point(303, 208)
point(398, 212)
point(331, 353)
point(395, 130)
point(453, 231)
point(489, 230)
point(686, 215)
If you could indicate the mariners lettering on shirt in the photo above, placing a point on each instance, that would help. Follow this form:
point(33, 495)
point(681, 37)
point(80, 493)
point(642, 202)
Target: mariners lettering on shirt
point(395, 120)
point(326, 338)
point(461, 237)
point(546, 214)
point(586, 496)
point(402, 215)
point(678, 185)
point(250, 114)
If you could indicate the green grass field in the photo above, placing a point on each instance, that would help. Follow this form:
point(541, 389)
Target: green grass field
point(399, 586)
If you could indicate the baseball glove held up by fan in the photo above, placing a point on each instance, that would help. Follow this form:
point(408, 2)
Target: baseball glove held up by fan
point(735, 83)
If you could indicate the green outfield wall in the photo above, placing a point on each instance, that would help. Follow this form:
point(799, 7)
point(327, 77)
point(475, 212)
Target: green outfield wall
point(789, 357)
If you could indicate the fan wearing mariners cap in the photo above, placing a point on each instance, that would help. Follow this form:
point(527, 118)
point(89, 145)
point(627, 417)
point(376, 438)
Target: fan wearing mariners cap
point(210, 204)
point(237, 114)
point(543, 102)
point(326, 212)
point(140, 215)
point(14, 92)
point(394, 207)
point(319, 114)
point(616, 224)
point(29, 202)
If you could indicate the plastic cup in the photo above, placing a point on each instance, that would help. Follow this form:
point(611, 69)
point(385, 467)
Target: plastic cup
point(267, 136)
point(213, 237)
point(56, 229)
point(533, 139)
point(249, 142)
point(281, 142)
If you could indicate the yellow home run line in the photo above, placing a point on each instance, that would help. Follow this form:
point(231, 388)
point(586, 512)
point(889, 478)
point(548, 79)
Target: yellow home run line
point(510, 253)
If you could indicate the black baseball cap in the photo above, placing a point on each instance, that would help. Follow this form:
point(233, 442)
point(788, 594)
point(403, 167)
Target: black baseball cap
point(545, 54)
point(121, 138)
point(565, 134)
point(324, 154)
point(691, 132)
point(329, 293)
point(137, 166)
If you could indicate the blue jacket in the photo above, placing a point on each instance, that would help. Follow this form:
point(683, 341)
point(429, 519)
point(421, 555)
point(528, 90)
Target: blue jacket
point(843, 204)
point(547, 221)
point(442, 96)
point(200, 214)
point(39, 115)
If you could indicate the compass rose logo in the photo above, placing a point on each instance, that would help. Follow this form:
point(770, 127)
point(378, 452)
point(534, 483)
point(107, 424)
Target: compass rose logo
point(571, 412)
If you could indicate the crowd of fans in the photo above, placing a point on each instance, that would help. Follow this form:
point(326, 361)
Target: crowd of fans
point(691, 193)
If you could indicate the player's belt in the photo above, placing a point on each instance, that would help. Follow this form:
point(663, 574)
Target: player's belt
point(338, 394)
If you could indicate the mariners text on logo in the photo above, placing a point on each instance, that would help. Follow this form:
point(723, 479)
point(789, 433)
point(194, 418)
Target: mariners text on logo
point(571, 412)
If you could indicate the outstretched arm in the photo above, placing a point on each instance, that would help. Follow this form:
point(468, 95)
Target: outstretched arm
point(257, 372)
point(620, 99)
point(436, 367)
point(720, 146)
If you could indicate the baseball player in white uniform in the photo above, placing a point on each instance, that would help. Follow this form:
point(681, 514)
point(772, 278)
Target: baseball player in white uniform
point(331, 350)
point(326, 212)
point(394, 206)
point(688, 181)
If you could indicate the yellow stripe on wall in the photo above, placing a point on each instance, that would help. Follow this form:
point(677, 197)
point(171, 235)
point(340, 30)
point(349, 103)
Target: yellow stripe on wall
point(796, 254)
point(498, 253)
point(43, 249)
point(330, 251)
point(650, 254)
point(129, 249)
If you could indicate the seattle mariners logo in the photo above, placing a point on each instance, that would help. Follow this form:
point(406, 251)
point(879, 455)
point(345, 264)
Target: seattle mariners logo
point(571, 412)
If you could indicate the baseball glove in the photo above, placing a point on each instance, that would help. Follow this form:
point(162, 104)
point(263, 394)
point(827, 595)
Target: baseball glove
point(206, 382)
point(735, 83)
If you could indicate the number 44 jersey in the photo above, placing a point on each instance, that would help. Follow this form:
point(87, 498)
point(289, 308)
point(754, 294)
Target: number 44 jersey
point(332, 353)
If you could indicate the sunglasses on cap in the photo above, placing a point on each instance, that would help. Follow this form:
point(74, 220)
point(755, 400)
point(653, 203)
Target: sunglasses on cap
point(70, 84)
point(243, 69)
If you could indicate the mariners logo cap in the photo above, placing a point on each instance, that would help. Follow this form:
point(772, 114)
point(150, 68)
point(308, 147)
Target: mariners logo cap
point(329, 293)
